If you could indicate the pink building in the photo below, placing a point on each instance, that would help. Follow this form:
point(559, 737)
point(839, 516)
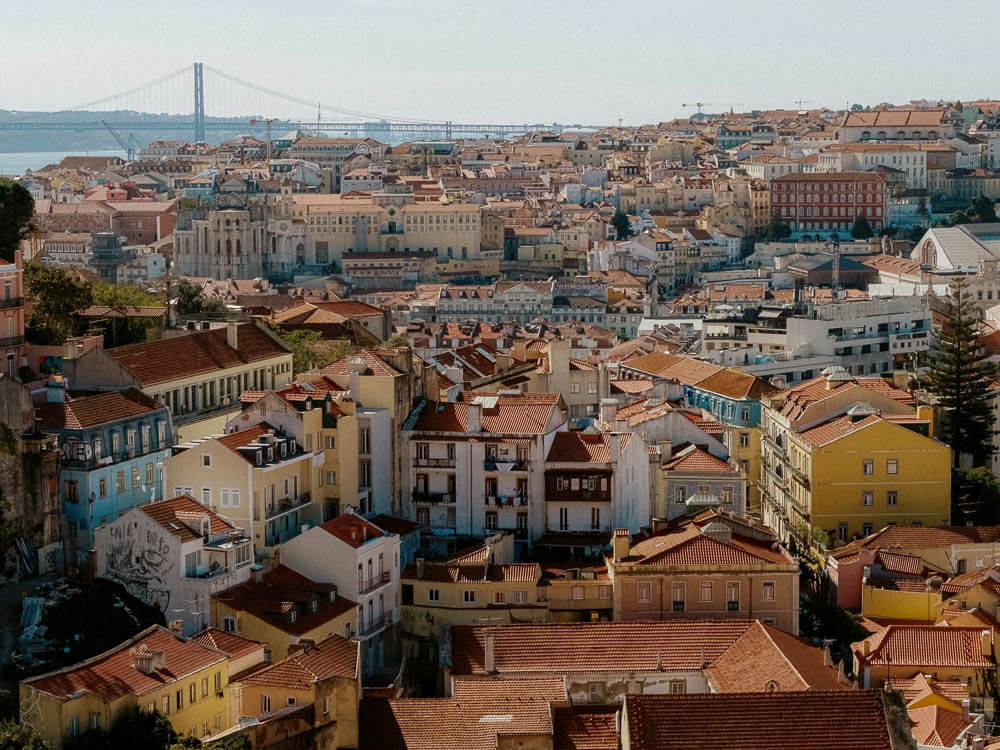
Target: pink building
point(12, 314)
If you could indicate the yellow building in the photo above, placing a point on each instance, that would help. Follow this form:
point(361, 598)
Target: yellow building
point(469, 593)
point(908, 602)
point(326, 675)
point(860, 472)
point(282, 608)
point(184, 679)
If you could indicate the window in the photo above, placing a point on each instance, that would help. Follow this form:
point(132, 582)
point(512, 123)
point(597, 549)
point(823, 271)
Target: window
point(726, 495)
point(678, 597)
point(365, 442)
point(102, 487)
point(520, 597)
point(866, 529)
point(733, 596)
point(892, 466)
point(326, 704)
point(204, 687)
point(842, 532)
point(291, 701)
point(180, 699)
point(218, 681)
point(433, 595)
point(866, 498)
point(491, 520)
point(680, 495)
point(149, 473)
point(563, 519)
point(678, 687)
point(596, 691)
point(192, 692)
point(74, 726)
point(891, 497)
point(644, 591)
point(867, 466)
point(265, 704)
point(705, 591)
point(166, 704)
point(331, 441)
point(331, 477)
point(595, 518)
point(120, 482)
point(206, 460)
point(767, 591)
point(135, 477)
point(229, 497)
point(469, 596)
point(578, 593)
point(94, 720)
point(744, 439)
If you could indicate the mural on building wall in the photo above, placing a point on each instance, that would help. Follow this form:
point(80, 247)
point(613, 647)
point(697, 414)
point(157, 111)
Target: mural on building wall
point(140, 560)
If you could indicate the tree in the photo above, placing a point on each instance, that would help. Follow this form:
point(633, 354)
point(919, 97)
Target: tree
point(13, 736)
point(395, 340)
point(17, 207)
point(191, 300)
point(922, 211)
point(56, 297)
point(960, 377)
point(861, 229)
point(958, 217)
point(975, 497)
point(134, 727)
point(121, 331)
point(621, 224)
point(856, 108)
point(776, 229)
point(310, 350)
point(984, 208)
point(888, 231)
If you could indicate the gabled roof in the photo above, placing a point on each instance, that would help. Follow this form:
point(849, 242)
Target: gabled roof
point(334, 657)
point(368, 362)
point(846, 720)
point(693, 459)
point(234, 646)
point(920, 687)
point(83, 409)
point(936, 726)
point(580, 447)
point(113, 674)
point(196, 353)
point(352, 529)
point(837, 428)
point(501, 415)
point(559, 648)
point(690, 545)
point(926, 647)
point(585, 727)
point(179, 514)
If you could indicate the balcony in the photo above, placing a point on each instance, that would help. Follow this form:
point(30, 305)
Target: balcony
point(431, 498)
point(801, 477)
point(504, 464)
point(376, 624)
point(506, 501)
point(368, 585)
point(11, 341)
point(286, 505)
point(9, 302)
point(434, 463)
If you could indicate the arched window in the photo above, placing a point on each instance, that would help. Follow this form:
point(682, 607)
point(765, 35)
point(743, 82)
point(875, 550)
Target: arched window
point(239, 249)
point(274, 245)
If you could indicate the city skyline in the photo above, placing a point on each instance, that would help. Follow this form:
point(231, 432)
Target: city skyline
point(483, 63)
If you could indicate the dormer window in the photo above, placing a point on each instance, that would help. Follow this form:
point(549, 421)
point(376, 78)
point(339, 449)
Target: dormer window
point(260, 457)
point(314, 605)
point(292, 615)
point(284, 450)
point(270, 454)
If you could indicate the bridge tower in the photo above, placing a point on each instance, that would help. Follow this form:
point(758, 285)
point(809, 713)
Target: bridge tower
point(199, 104)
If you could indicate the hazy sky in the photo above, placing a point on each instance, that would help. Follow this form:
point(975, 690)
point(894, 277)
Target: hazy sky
point(504, 60)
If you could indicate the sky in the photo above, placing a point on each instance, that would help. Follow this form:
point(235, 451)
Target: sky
point(513, 61)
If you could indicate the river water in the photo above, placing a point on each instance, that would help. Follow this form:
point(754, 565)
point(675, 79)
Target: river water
point(14, 164)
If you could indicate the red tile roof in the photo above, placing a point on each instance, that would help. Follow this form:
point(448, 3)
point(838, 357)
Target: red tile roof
point(230, 644)
point(473, 573)
point(837, 428)
point(509, 415)
point(926, 647)
point(920, 686)
point(936, 726)
point(581, 447)
point(181, 516)
point(585, 727)
point(352, 529)
point(334, 657)
point(196, 353)
point(372, 365)
point(571, 647)
point(689, 545)
point(83, 409)
point(693, 459)
point(846, 720)
point(113, 674)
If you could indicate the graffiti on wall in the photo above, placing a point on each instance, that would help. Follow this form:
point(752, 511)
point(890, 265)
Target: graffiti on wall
point(140, 560)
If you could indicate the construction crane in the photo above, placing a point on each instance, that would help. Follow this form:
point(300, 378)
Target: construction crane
point(701, 105)
point(800, 102)
point(129, 147)
point(267, 122)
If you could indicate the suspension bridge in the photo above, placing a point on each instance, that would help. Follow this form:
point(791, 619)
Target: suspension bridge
point(199, 99)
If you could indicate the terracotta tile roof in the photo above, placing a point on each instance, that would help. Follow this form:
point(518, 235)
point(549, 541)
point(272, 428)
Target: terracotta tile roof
point(509, 415)
point(846, 720)
point(936, 726)
point(449, 724)
point(585, 727)
point(374, 365)
point(83, 409)
point(113, 674)
point(926, 647)
point(764, 656)
point(485, 689)
point(635, 385)
point(179, 514)
point(914, 538)
point(800, 396)
point(578, 647)
point(920, 686)
point(988, 577)
point(230, 644)
point(580, 447)
point(736, 385)
point(476, 573)
point(689, 545)
point(693, 459)
point(837, 428)
point(280, 590)
point(334, 657)
point(893, 562)
point(352, 529)
point(196, 353)
point(707, 425)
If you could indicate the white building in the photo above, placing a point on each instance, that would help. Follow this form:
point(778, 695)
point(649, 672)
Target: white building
point(862, 157)
point(173, 555)
point(362, 560)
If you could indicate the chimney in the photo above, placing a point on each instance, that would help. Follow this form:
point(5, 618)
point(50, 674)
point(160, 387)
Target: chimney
point(660, 524)
point(420, 568)
point(827, 658)
point(986, 640)
point(231, 334)
point(177, 627)
point(355, 377)
point(621, 542)
point(55, 390)
point(609, 408)
point(474, 417)
point(488, 656)
point(965, 710)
